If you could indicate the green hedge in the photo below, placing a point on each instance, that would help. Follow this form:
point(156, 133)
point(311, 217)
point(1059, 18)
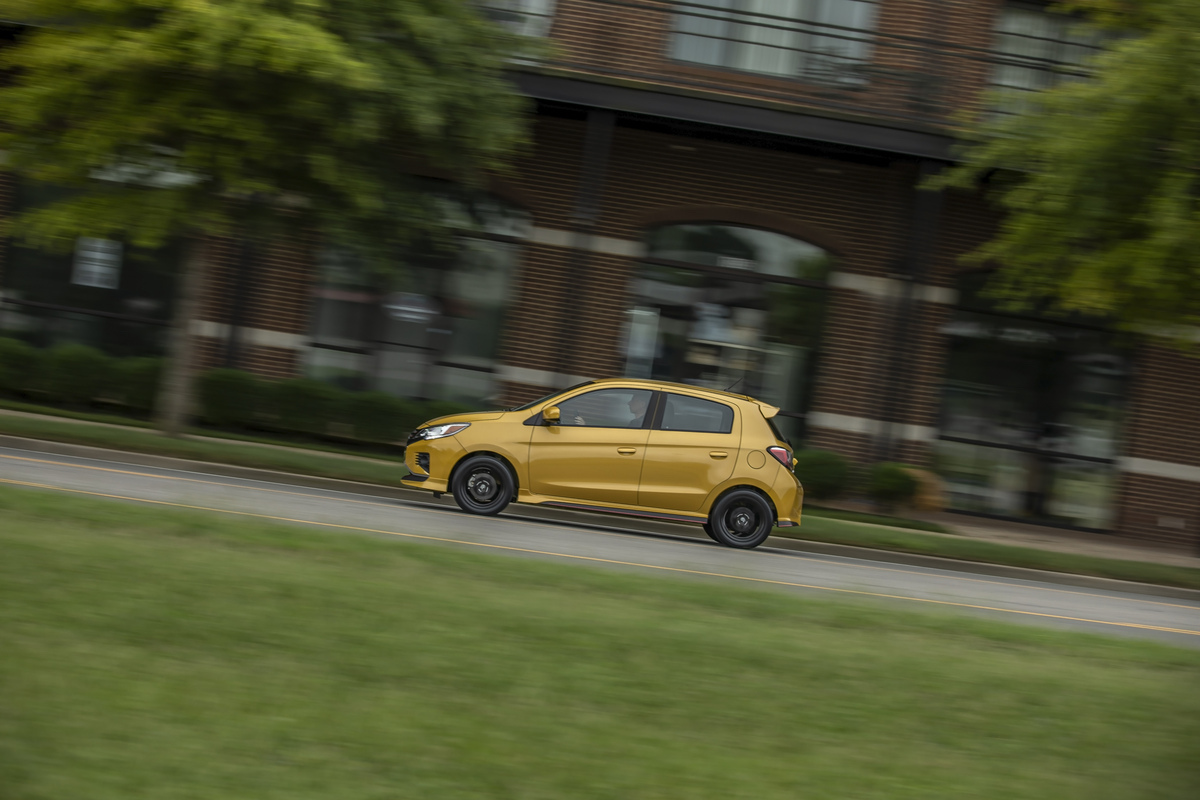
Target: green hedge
point(824, 475)
point(891, 484)
point(230, 398)
point(18, 366)
point(77, 375)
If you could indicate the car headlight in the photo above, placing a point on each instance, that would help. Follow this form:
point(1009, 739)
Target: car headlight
point(442, 431)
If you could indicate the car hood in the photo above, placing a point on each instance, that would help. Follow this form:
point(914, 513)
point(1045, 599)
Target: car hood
point(475, 416)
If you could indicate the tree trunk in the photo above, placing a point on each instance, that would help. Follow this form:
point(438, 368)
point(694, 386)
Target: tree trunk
point(174, 406)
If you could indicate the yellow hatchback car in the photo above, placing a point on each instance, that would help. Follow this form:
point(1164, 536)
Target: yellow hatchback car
point(638, 447)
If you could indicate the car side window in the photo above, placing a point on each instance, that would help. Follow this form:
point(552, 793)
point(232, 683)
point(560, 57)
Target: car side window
point(683, 413)
point(606, 408)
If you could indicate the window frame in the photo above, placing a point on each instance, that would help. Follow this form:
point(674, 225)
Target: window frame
point(661, 409)
point(651, 413)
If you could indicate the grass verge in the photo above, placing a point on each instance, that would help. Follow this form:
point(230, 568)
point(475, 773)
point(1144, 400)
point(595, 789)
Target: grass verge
point(171, 654)
point(820, 525)
point(386, 471)
point(822, 529)
point(873, 519)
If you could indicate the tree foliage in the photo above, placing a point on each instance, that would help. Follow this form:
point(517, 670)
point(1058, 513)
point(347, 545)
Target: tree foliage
point(303, 114)
point(1100, 178)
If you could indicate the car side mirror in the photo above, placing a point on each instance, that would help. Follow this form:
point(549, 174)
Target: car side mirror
point(551, 415)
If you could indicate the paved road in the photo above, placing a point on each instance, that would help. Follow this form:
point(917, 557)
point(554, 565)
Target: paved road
point(601, 543)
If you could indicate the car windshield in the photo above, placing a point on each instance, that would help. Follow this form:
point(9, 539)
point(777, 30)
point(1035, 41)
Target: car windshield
point(533, 403)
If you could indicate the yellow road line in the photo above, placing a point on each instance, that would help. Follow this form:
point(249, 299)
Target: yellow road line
point(434, 510)
point(596, 559)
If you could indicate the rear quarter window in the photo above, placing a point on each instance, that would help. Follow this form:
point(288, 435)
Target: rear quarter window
point(683, 413)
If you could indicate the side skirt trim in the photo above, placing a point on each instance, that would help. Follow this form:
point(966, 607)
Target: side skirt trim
point(625, 512)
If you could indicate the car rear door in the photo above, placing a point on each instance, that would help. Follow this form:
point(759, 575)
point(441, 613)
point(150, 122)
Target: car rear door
point(692, 447)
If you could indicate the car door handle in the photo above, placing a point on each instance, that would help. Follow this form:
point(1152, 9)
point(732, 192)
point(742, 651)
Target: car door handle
point(626, 451)
point(718, 454)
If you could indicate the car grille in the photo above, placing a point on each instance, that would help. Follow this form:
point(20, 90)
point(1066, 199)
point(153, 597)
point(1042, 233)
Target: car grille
point(423, 461)
point(415, 436)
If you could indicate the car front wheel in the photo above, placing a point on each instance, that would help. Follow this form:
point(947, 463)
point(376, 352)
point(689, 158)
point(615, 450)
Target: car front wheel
point(483, 485)
point(742, 518)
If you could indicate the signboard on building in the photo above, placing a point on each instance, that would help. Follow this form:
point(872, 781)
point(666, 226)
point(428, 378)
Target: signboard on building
point(97, 263)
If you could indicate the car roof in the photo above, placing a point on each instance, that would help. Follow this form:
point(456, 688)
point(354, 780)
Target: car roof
point(649, 384)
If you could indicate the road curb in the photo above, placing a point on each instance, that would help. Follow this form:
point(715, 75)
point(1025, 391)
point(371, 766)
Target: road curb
point(594, 520)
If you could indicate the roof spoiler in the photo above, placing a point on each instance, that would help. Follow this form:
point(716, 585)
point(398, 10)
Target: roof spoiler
point(768, 411)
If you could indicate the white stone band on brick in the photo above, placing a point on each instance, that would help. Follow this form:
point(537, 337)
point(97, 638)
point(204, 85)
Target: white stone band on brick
point(604, 245)
point(538, 377)
point(875, 286)
point(870, 427)
point(1159, 469)
point(256, 337)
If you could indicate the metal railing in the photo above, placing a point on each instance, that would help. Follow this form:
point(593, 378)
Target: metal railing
point(692, 45)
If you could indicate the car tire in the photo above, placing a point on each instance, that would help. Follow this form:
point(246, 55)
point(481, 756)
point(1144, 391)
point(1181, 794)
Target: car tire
point(709, 531)
point(483, 485)
point(743, 519)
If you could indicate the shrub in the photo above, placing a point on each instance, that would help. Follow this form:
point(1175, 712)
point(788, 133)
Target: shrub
point(380, 417)
point(18, 365)
point(825, 475)
point(303, 405)
point(137, 382)
point(76, 374)
point(230, 398)
point(891, 484)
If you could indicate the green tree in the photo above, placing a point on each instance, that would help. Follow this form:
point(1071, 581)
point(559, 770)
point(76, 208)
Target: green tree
point(258, 118)
point(1100, 178)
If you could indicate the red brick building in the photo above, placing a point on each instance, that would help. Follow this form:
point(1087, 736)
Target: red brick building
point(729, 192)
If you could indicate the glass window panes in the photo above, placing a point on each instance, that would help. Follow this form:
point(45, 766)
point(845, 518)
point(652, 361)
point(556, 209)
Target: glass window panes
point(1036, 49)
point(432, 325)
point(1034, 384)
point(733, 247)
point(607, 408)
point(1038, 487)
point(526, 17)
point(819, 40)
point(741, 326)
point(683, 413)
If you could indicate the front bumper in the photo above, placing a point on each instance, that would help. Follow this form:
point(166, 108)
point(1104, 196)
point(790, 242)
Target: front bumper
point(430, 463)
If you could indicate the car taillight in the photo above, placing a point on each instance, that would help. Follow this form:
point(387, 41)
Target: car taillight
point(781, 455)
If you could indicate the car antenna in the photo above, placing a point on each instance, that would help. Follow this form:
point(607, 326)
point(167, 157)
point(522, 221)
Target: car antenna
point(735, 383)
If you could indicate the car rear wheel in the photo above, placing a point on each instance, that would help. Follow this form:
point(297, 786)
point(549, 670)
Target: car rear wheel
point(483, 485)
point(743, 518)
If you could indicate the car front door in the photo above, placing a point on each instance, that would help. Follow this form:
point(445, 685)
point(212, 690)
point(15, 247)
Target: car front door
point(692, 448)
point(594, 452)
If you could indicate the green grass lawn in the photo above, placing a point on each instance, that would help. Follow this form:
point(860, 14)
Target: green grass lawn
point(165, 654)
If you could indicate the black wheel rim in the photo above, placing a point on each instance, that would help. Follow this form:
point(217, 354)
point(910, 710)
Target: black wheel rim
point(742, 521)
point(483, 487)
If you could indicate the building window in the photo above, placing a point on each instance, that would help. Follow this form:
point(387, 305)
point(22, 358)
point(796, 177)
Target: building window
point(1035, 50)
point(432, 327)
point(1032, 412)
point(103, 293)
point(525, 17)
point(729, 307)
point(821, 41)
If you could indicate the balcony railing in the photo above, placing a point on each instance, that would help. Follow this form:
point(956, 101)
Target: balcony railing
point(836, 57)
